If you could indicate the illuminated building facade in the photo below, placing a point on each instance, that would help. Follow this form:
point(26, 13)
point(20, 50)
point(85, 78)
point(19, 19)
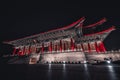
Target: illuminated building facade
point(74, 39)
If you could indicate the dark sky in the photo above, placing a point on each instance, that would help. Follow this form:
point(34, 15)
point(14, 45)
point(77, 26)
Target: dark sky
point(20, 18)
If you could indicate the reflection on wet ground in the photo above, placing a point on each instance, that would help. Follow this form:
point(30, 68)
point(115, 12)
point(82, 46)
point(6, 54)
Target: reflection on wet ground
point(60, 72)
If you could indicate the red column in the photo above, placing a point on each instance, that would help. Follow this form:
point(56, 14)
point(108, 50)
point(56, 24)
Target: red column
point(72, 45)
point(14, 51)
point(23, 50)
point(29, 49)
point(60, 45)
point(50, 47)
point(82, 47)
point(42, 50)
point(101, 47)
point(89, 49)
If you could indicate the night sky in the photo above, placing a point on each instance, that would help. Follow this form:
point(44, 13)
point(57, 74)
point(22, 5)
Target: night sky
point(20, 19)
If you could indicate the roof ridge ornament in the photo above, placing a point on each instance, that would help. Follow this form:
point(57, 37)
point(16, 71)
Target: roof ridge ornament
point(103, 20)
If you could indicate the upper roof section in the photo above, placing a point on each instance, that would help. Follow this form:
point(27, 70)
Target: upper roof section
point(60, 32)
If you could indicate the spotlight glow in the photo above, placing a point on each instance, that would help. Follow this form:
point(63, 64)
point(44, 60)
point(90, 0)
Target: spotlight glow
point(85, 62)
point(109, 62)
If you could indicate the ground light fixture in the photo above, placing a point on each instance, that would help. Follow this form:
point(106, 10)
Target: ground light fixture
point(108, 61)
point(85, 62)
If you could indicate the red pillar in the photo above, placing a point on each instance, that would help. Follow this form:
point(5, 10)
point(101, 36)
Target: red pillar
point(60, 45)
point(14, 51)
point(101, 47)
point(82, 47)
point(24, 50)
point(89, 49)
point(29, 49)
point(50, 47)
point(72, 45)
point(42, 50)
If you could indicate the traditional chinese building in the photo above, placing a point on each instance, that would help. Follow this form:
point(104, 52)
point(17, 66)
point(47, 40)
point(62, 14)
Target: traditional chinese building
point(66, 42)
